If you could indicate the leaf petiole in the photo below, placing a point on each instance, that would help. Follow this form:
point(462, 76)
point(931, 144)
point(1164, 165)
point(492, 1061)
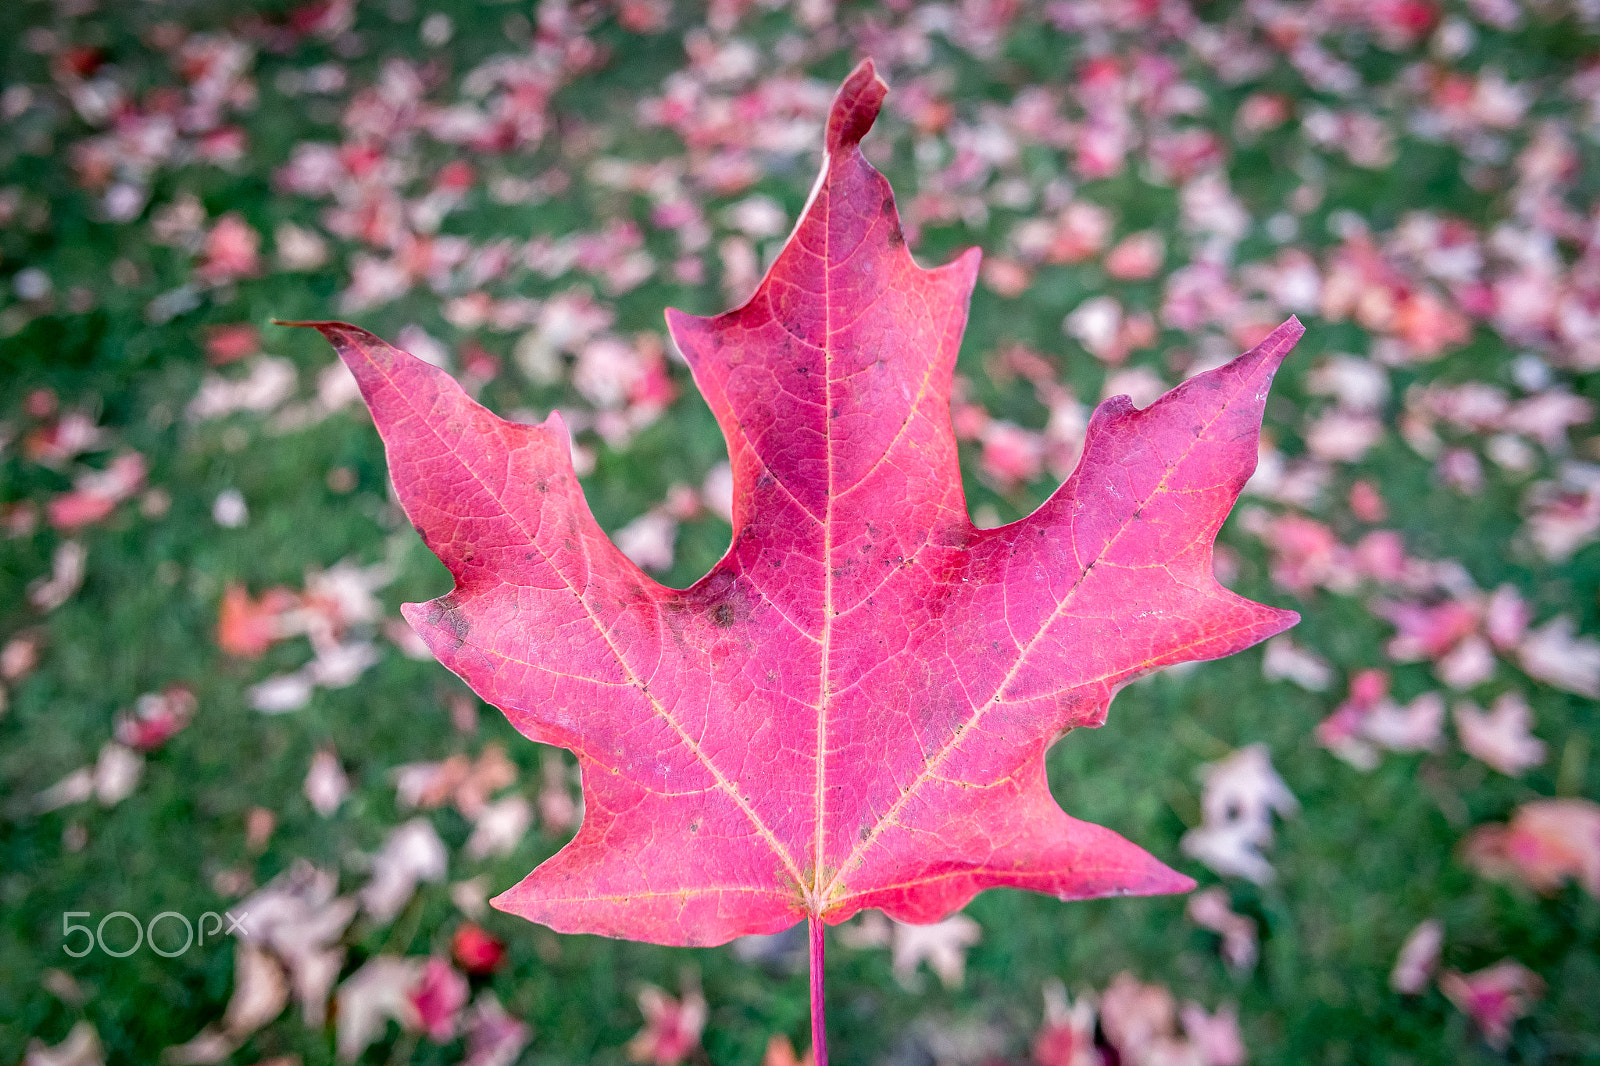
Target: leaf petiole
point(819, 1033)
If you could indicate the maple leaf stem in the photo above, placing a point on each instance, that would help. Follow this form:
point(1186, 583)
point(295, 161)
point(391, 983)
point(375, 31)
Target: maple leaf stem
point(819, 1029)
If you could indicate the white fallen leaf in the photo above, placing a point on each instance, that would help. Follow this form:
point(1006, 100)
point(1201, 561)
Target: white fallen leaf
point(326, 784)
point(1555, 654)
point(1239, 796)
point(413, 853)
point(269, 382)
point(76, 787)
point(341, 665)
point(648, 540)
point(116, 773)
point(1500, 737)
point(68, 566)
point(80, 1048)
point(229, 510)
point(1286, 661)
point(370, 998)
point(260, 992)
point(500, 827)
point(299, 917)
point(282, 693)
point(942, 945)
point(1418, 958)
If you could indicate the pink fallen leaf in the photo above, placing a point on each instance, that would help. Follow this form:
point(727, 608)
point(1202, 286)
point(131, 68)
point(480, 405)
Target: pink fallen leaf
point(1140, 1023)
point(20, 655)
point(1369, 720)
point(475, 950)
point(494, 1038)
point(1137, 256)
point(231, 251)
point(58, 442)
point(1494, 998)
point(1067, 1036)
point(1501, 736)
point(1546, 843)
point(1418, 958)
point(672, 1027)
point(156, 717)
point(438, 996)
point(96, 494)
point(852, 709)
point(1215, 1037)
point(232, 342)
point(1212, 909)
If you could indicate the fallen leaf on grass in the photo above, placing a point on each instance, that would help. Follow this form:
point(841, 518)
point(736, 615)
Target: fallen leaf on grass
point(1494, 998)
point(156, 717)
point(1546, 843)
point(260, 992)
point(326, 783)
point(1418, 958)
point(942, 945)
point(672, 1027)
point(1501, 736)
point(1213, 910)
point(1240, 794)
point(413, 853)
point(438, 996)
point(68, 566)
point(80, 1048)
point(299, 917)
point(370, 998)
point(1067, 1036)
point(494, 1038)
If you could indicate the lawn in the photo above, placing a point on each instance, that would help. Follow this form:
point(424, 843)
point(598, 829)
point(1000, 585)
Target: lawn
point(209, 702)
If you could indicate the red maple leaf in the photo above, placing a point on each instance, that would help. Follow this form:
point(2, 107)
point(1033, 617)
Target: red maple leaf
point(852, 709)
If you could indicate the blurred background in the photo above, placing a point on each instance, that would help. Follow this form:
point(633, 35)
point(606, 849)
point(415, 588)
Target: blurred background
point(209, 704)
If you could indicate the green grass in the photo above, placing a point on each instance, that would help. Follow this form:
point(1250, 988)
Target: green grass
point(1370, 856)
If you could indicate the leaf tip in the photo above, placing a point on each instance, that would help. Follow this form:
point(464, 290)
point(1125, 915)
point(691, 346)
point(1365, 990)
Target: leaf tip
point(324, 327)
point(855, 108)
point(556, 426)
point(1281, 341)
